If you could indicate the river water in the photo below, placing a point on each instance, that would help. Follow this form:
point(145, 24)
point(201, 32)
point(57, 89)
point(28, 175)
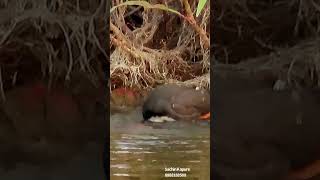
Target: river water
point(140, 151)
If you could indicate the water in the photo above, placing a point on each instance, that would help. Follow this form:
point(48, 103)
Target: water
point(141, 151)
point(86, 165)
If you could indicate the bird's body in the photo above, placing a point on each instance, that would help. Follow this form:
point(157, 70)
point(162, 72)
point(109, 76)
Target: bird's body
point(260, 133)
point(178, 102)
point(37, 111)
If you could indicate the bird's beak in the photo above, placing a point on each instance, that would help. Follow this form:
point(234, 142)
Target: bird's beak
point(205, 116)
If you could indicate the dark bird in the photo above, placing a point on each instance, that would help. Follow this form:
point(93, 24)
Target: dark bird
point(264, 134)
point(177, 102)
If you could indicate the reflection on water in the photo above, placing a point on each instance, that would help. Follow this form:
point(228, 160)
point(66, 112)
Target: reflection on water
point(143, 152)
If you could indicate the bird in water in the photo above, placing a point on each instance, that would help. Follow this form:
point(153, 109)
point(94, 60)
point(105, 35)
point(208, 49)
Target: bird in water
point(177, 102)
point(264, 134)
